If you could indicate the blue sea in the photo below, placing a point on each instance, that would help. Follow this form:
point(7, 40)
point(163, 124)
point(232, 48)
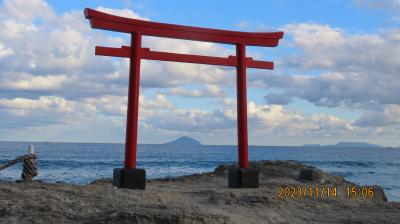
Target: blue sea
point(81, 163)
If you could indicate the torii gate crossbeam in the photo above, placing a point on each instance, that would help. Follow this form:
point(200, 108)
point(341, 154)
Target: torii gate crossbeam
point(130, 176)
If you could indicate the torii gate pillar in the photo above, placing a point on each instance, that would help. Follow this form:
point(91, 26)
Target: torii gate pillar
point(242, 106)
point(242, 176)
point(133, 101)
point(132, 177)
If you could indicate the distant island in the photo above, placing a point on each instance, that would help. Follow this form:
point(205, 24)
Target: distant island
point(347, 145)
point(357, 144)
point(185, 141)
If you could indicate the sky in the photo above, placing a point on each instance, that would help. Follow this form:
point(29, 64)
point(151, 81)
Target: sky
point(336, 76)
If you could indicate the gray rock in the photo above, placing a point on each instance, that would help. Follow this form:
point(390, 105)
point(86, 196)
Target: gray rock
point(199, 198)
point(310, 174)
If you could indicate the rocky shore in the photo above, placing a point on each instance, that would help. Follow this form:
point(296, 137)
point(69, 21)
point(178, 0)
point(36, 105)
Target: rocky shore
point(200, 198)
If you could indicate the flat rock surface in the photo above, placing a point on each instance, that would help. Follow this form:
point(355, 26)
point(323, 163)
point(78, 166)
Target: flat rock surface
point(201, 198)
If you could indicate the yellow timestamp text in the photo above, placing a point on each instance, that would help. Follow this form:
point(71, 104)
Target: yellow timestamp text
point(307, 191)
point(293, 191)
point(356, 191)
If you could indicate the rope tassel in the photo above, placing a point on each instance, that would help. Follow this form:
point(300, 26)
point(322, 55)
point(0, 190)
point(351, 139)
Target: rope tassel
point(29, 169)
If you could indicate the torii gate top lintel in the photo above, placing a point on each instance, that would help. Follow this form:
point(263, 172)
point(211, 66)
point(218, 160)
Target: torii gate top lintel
point(101, 20)
point(137, 28)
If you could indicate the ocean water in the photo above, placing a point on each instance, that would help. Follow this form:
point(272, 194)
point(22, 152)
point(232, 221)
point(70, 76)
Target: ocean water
point(81, 163)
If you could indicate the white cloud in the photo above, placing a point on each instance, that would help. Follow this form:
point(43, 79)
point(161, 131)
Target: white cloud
point(45, 105)
point(310, 36)
point(29, 82)
point(116, 105)
point(325, 47)
point(210, 90)
point(243, 25)
point(187, 46)
point(4, 51)
point(160, 101)
point(121, 12)
point(359, 70)
point(382, 117)
point(12, 29)
point(351, 71)
point(393, 113)
point(109, 104)
point(263, 120)
point(27, 10)
point(68, 49)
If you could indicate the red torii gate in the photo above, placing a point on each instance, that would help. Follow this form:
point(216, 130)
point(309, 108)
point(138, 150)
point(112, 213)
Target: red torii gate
point(130, 176)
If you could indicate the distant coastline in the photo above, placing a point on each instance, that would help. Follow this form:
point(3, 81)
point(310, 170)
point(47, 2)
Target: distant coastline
point(346, 145)
point(196, 142)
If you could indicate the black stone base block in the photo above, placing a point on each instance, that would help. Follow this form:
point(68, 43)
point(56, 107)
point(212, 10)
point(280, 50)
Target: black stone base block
point(310, 174)
point(129, 178)
point(243, 178)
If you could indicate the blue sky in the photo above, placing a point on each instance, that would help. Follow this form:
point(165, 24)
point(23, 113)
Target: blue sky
point(227, 14)
point(336, 77)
